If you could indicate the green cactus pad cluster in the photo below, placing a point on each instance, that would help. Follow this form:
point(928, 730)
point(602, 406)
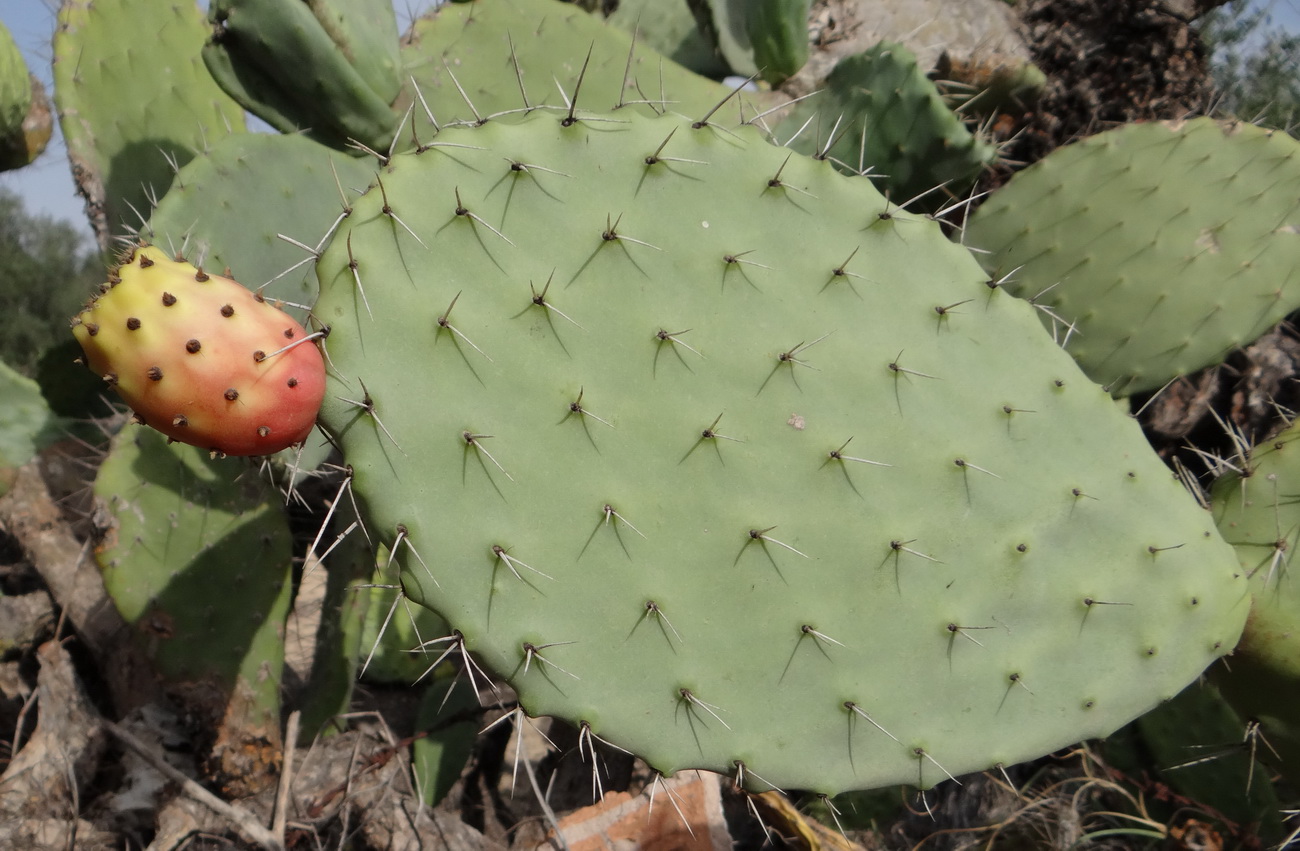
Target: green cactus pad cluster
point(1154, 248)
point(716, 454)
point(124, 151)
point(1260, 516)
point(879, 112)
point(469, 47)
point(197, 560)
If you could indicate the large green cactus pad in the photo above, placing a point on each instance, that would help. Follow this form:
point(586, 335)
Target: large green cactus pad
point(633, 464)
point(1164, 245)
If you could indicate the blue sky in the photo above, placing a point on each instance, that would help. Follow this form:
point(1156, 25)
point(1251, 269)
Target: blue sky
point(46, 185)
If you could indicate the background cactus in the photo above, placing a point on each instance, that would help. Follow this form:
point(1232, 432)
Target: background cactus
point(1257, 514)
point(25, 122)
point(124, 152)
point(1143, 278)
point(764, 38)
point(344, 56)
point(880, 114)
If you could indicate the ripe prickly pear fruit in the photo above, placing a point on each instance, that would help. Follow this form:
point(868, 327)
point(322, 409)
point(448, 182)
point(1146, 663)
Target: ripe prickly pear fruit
point(201, 358)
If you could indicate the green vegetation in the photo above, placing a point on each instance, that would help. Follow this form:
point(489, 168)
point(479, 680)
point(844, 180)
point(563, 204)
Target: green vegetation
point(47, 269)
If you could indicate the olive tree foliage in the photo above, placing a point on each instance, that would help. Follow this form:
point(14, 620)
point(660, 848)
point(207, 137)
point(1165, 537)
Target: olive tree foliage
point(47, 269)
point(1255, 64)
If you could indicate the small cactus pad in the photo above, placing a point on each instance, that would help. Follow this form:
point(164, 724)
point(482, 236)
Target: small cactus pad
point(1260, 516)
point(880, 113)
point(708, 449)
point(202, 359)
point(1147, 274)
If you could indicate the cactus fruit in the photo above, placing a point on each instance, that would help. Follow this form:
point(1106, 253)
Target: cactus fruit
point(721, 457)
point(202, 359)
point(879, 112)
point(124, 151)
point(1145, 275)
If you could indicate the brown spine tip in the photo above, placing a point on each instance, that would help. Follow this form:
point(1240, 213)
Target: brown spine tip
point(154, 373)
point(227, 311)
point(263, 431)
point(180, 420)
point(288, 333)
point(231, 394)
point(292, 382)
point(168, 299)
point(259, 356)
point(132, 324)
point(193, 346)
point(261, 299)
point(200, 275)
point(91, 328)
point(145, 262)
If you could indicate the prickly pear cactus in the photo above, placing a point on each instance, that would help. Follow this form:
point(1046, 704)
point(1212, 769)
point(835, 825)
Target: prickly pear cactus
point(1259, 516)
point(124, 151)
point(202, 359)
point(1145, 275)
point(715, 454)
point(880, 113)
point(197, 560)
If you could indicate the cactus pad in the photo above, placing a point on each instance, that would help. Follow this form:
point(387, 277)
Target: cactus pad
point(1260, 516)
point(197, 560)
point(470, 46)
point(880, 112)
point(1157, 275)
point(713, 452)
point(124, 151)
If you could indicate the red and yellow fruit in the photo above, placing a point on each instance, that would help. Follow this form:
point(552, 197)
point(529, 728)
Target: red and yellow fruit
point(201, 358)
